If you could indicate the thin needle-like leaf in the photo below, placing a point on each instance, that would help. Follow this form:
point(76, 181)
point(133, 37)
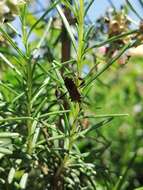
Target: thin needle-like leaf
point(15, 119)
point(88, 7)
point(45, 83)
point(13, 28)
point(10, 64)
point(53, 113)
point(67, 25)
point(141, 2)
point(106, 115)
point(8, 135)
point(11, 175)
point(23, 181)
point(108, 65)
point(42, 17)
point(5, 151)
point(112, 39)
point(12, 43)
point(43, 38)
point(133, 10)
point(8, 88)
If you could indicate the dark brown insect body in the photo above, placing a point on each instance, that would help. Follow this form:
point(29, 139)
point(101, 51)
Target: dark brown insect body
point(72, 89)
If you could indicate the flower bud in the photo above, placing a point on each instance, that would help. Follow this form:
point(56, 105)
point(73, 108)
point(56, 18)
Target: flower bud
point(9, 9)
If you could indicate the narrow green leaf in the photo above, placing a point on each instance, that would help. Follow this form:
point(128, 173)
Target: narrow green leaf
point(8, 88)
point(54, 113)
point(96, 126)
point(11, 175)
point(13, 28)
point(67, 25)
point(41, 42)
point(38, 109)
point(141, 2)
point(12, 43)
point(57, 137)
point(88, 7)
point(5, 142)
point(106, 115)
point(112, 39)
point(42, 17)
point(23, 181)
point(18, 97)
point(41, 89)
point(15, 119)
point(133, 10)
point(10, 64)
point(5, 151)
point(8, 134)
point(2, 181)
point(35, 137)
point(92, 79)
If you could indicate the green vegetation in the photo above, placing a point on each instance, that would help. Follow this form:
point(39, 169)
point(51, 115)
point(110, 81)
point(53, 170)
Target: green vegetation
point(70, 98)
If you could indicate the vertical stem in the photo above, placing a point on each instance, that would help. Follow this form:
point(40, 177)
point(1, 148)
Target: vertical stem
point(57, 177)
point(65, 56)
point(29, 80)
point(75, 106)
point(29, 105)
point(80, 36)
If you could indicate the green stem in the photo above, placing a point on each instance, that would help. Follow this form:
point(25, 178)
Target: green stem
point(29, 79)
point(75, 106)
point(29, 105)
point(72, 137)
point(80, 36)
